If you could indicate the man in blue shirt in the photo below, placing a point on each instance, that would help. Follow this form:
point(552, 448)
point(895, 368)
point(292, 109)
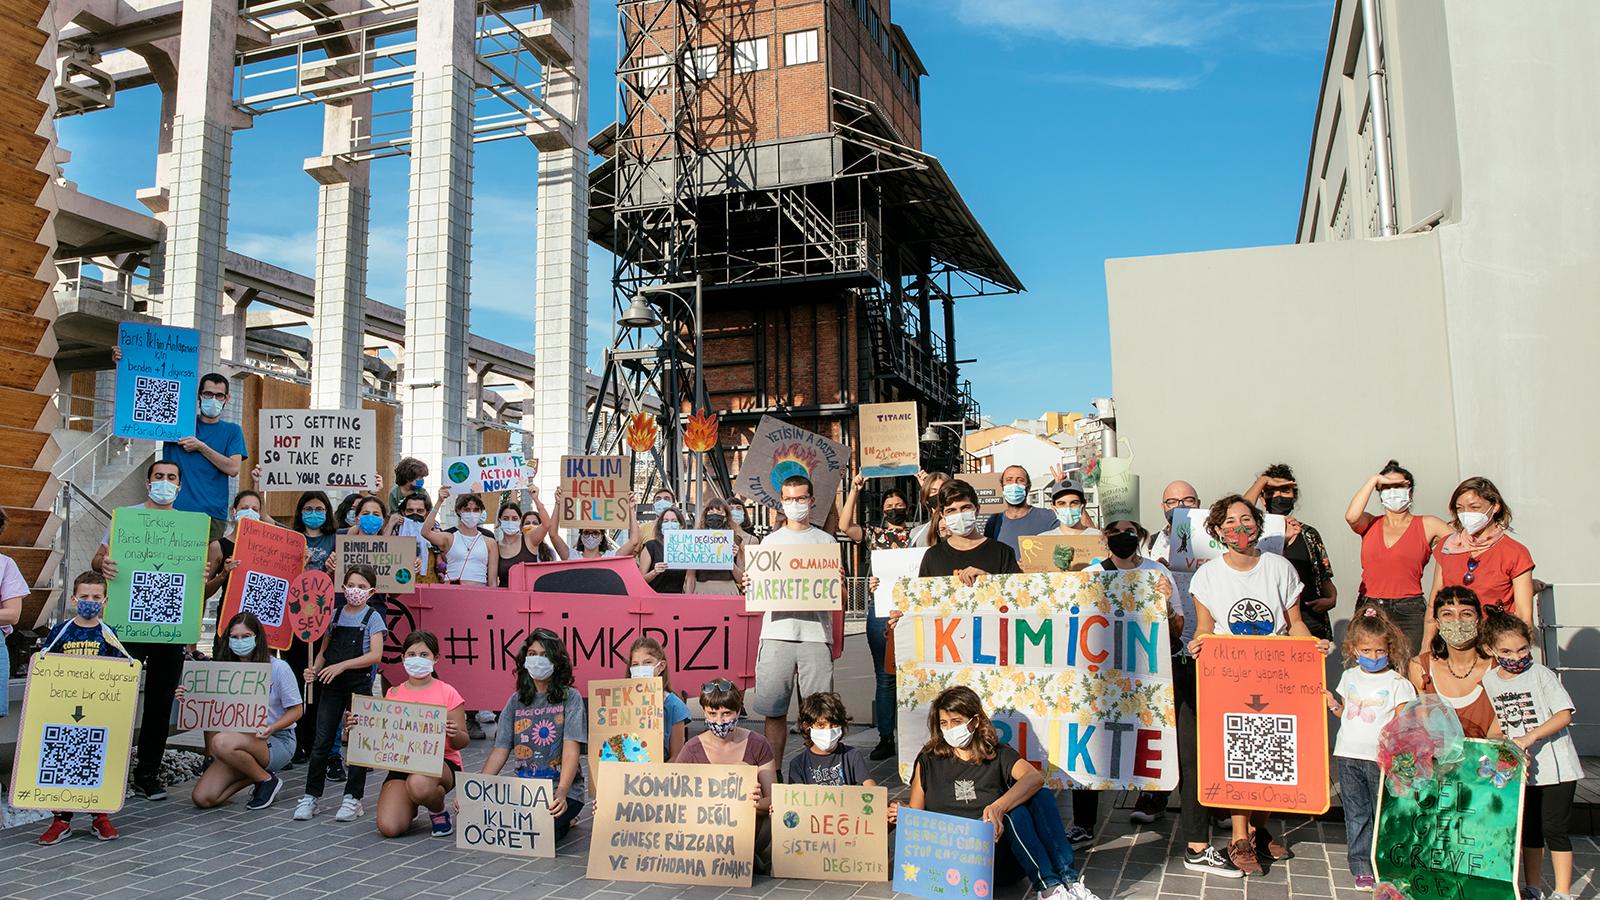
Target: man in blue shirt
point(215, 454)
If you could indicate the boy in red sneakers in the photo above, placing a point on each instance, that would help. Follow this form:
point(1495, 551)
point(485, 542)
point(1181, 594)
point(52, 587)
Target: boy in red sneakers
point(84, 635)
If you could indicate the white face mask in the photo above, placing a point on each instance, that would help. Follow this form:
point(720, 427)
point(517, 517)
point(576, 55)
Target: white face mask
point(644, 671)
point(471, 520)
point(418, 666)
point(509, 527)
point(1395, 499)
point(737, 515)
point(959, 736)
point(539, 667)
point(797, 510)
point(962, 523)
point(1473, 522)
point(589, 541)
point(824, 739)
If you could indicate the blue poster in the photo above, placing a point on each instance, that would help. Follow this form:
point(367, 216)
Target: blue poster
point(942, 857)
point(158, 382)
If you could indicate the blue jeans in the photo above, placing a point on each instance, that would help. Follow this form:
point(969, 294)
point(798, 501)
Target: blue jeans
point(1359, 783)
point(883, 712)
point(1038, 841)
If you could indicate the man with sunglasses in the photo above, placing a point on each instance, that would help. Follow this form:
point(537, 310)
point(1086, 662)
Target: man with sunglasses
point(215, 454)
point(1278, 491)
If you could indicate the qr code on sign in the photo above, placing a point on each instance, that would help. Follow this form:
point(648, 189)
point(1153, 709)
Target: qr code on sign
point(155, 400)
point(1260, 748)
point(156, 598)
point(264, 596)
point(72, 756)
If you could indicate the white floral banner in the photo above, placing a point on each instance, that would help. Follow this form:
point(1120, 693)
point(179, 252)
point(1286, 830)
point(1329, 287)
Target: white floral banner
point(1075, 668)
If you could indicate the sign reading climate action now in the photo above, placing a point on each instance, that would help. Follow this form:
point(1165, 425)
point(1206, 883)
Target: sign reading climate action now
point(304, 449)
point(792, 577)
point(674, 823)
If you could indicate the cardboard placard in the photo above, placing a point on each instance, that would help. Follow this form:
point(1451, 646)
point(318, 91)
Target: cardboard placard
point(625, 722)
point(1192, 546)
point(1456, 834)
point(310, 605)
point(942, 857)
point(158, 594)
point(307, 449)
point(224, 696)
point(987, 487)
point(674, 823)
point(504, 814)
point(158, 382)
point(270, 558)
point(390, 555)
point(779, 450)
point(890, 444)
point(830, 833)
point(489, 473)
point(789, 577)
point(396, 735)
point(1061, 552)
point(1074, 667)
point(1263, 724)
point(76, 733)
point(700, 548)
point(594, 492)
point(889, 566)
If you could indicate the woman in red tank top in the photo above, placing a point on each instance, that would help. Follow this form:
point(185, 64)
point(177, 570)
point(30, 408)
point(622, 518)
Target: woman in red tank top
point(1394, 549)
point(1453, 666)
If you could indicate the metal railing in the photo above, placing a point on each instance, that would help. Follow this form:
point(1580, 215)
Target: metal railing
point(76, 508)
point(100, 451)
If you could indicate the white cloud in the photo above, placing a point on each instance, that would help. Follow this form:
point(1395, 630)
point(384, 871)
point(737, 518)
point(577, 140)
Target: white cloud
point(296, 252)
point(1122, 23)
point(1154, 83)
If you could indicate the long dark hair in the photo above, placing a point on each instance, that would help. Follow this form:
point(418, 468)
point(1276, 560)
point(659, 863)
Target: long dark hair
point(221, 652)
point(1458, 595)
point(300, 505)
point(555, 651)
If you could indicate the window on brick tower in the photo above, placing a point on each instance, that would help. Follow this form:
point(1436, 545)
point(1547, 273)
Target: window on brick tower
point(703, 61)
point(800, 47)
point(750, 56)
point(655, 73)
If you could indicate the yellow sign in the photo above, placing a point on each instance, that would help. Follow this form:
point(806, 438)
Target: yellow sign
point(76, 734)
point(625, 722)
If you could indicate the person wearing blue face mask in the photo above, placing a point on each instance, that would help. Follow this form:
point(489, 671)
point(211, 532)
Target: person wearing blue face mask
point(410, 476)
point(215, 454)
point(1067, 505)
point(1018, 519)
point(653, 558)
point(370, 517)
point(246, 505)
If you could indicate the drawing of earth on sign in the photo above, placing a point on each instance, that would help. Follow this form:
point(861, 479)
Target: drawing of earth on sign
point(402, 575)
point(791, 819)
point(1250, 617)
point(458, 472)
point(792, 459)
point(625, 748)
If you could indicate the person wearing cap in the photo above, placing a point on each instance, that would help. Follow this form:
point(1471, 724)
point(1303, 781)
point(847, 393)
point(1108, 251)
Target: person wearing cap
point(1018, 519)
point(1066, 502)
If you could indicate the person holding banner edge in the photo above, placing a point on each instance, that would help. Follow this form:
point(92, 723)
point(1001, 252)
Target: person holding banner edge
point(893, 534)
point(653, 557)
point(715, 515)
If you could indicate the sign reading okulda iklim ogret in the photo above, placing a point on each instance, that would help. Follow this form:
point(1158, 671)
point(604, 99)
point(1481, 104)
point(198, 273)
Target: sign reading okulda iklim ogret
point(1075, 668)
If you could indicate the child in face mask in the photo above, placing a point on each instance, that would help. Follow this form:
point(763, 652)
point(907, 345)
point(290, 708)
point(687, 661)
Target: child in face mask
point(725, 742)
point(965, 771)
point(647, 659)
point(342, 666)
point(403, 793)
point(471, 556)
point(827, 760)
point(542, 728)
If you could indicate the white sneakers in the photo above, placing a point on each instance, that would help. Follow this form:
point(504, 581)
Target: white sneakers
point(305, 809)
point(1074, 891)
point(349, 810)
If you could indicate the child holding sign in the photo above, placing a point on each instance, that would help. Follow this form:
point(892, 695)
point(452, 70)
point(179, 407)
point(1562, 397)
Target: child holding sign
point(84, 635)
point(965, 770)
point(725, 742)
point(343, 665)
point(648, 659)
point(403, 793)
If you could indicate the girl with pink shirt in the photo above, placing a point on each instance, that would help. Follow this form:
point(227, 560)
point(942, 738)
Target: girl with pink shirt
point(404, 793)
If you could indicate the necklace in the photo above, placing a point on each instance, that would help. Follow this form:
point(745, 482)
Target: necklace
point(1460, 675)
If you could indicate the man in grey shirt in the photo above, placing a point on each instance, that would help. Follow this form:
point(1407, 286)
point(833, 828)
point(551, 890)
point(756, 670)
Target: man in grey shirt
point(1018, 519)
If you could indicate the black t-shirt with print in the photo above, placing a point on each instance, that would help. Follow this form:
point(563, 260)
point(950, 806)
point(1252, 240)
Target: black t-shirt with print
point(991, 556)
point(955, 787)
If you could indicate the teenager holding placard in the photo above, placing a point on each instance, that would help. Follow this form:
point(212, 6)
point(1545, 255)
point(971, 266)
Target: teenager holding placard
point(653, 558)
point(648, 659)
point(311, 518)
point(715, 515)
point(470, 553)
point(343, 665)
point(404, 793)
point(965, 770)
point(246, 505)
point(522, 537)
point(238, 759)
point(726, 742)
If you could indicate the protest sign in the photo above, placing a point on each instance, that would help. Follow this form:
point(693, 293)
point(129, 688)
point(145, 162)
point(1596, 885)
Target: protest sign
point(1075, 669)
point(889, 566)
point(1118, 490)
point(890, 445)
point(306, 449)
point(158, 592)
point(674, 823)
point(793, 577)
point(390, 555)
point(310, 604)
point(1191, 545)
point(1456, 834)
point(396, 735)
point(693, 548)
point(778, 450)
point(625, 722)
point(158, 382)
point(987, 487)
point(490, 473)
point(76, 733)
point(1262, 724)
point(505, 814)
point(1060, 552)
point(830, 833)
point(224, 696)
point(269, 559)
point(594, 492)
point(942, 857)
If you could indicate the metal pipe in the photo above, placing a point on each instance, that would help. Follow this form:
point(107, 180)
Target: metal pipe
point(1377, 96)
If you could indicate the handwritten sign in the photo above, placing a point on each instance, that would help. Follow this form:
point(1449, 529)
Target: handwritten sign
point(305, 449)
point(889, 440)
point(692, 548)
point(269, 559)
point(889, 566)
point(942, 857)
point(674, 823)
point(158, 592)
point(830, 833)
point(625, 722)
point(1074, 667)
point(224, 696)
point(158, 382)
point(1457, 834)
point(490, 473)
point(1061, 552)
point(397, 735)
point(793, 577)
point(594, 492)
point(310, 604)
point(502, 814)
point(1262, 723)
point(390, 555)
point(76, 733)
point(779, 450)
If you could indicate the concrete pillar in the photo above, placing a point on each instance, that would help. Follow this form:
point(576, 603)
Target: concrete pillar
point(562, 296)
point(439, 235)
point(233, 326)
point(343, 203)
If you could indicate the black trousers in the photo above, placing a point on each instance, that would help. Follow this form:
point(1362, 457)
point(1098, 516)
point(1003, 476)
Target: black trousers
point(1194, 823)
point(332, 703)
point(163, 670)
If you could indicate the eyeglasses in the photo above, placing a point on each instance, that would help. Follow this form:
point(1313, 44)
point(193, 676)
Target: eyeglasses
point(716, 685)
point(1472, 566)
point(212, 395)
point(1190, 502)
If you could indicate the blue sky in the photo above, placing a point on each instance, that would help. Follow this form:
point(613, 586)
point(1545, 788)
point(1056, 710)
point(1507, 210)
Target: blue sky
point(1077, 130)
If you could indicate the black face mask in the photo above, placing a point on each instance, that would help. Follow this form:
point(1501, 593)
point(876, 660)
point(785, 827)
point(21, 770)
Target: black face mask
point(1280, 504)
point(896, 516)
point(716, 521)
point(1123, 544)
point(417, 518)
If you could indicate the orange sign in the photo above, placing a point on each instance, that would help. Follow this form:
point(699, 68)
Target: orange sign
point(269, 558)
point(1263, 726)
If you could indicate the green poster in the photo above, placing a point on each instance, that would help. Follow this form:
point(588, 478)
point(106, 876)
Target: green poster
point(159, 590)
point(1456, 835)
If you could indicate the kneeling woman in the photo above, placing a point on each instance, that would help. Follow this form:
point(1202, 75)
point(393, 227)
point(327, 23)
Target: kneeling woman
point(965, 771)
point(239, 759)
point(402, 793)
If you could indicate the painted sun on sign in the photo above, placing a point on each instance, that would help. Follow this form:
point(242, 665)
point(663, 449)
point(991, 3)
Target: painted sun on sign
point(793, 459)
point(700, 434)
point(641, 432)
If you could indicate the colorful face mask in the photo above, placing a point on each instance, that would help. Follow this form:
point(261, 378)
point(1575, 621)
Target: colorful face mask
point(1514, 666)
point(1238, 537)
point(1459, 633)
point(722, 729)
